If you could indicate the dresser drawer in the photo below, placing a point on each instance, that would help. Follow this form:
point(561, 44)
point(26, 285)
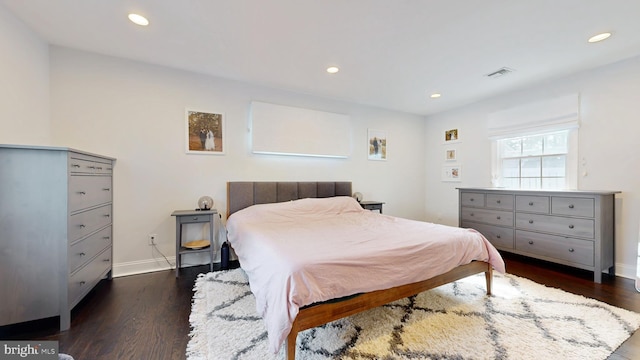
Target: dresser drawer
point(556, 224)
point(84, 164)
point(557, 247)
point(500, 237)
point(84, 223)
point(85, 249)
point(494, 217)
point(472, 199)
point(573, 206)
point(536, 204)
point(499, 201)
point(86, 191)
point(86, 277)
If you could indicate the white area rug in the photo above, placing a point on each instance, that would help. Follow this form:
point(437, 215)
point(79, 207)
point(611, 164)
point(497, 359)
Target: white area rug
point(521, 320)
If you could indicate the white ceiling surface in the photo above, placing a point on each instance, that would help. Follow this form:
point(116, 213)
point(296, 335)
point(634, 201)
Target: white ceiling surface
point(392, 53)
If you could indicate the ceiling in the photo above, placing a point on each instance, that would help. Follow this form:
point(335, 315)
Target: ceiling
point(391, 53)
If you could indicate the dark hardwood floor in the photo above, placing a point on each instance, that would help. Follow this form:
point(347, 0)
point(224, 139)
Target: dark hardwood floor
point(147, 316)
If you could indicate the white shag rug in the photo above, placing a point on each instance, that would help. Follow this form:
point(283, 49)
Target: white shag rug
point(521, 320)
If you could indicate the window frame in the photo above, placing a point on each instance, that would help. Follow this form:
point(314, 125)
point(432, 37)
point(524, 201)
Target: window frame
point(571, 160)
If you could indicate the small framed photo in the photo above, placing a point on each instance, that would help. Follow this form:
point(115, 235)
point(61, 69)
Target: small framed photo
point(204, 132)
point(451, 136)
point(377, 144)
point(452, 173)
point(450, 155)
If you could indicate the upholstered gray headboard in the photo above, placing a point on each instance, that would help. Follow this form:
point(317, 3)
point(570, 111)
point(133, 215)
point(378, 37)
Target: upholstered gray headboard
point(242, 194)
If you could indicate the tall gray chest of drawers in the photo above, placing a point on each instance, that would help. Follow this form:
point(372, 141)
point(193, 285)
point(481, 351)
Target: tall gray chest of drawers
point(574, 228)
point(55, 230)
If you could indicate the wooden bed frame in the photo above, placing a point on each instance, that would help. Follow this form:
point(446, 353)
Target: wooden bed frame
point(244, 194)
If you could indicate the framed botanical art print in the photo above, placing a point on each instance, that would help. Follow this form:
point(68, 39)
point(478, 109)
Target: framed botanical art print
point(452, 173)
point(450, 155)
point(204, 132)
point(451, 136)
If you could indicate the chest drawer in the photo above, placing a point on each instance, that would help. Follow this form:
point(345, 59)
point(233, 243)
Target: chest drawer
point(557, 247)
point(86, 277)
point(500, 237)
point(87, 191)
point(499, 201)
point(186, 219)
point(472, 199)
point(536, 204)
point(556, 224)
point(494, 217)
point(89, 165)
point(84, 223)
point(573, 206)
point(85, 249)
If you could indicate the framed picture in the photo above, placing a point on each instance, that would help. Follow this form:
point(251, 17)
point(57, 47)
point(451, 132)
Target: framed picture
point(377, 144)
point(452, 173)
point(450, 155)
point(451, 136)
point(204, 132)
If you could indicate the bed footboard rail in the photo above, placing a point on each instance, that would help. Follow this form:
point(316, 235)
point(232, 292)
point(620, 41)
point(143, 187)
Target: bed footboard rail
point(323, 313)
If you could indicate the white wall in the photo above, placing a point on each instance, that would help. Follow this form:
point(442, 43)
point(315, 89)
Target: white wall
point(135, 112)
point(24, 84)
point(608, 147)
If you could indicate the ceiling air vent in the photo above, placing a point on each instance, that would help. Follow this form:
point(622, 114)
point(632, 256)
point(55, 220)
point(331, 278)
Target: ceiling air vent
point(499, 73)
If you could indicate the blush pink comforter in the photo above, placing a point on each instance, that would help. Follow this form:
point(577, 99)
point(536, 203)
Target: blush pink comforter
point(310, 250)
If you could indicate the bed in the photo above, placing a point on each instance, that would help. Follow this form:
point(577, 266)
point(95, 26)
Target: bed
point(313, 255)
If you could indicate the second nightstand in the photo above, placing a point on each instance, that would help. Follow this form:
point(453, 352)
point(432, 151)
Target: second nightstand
point(185, 217)
point(372, 205)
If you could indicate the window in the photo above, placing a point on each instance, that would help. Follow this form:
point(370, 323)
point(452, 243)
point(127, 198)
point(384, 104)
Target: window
point(540, 161)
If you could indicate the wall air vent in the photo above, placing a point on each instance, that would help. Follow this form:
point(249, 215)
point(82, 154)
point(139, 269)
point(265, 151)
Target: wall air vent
point(499, 73)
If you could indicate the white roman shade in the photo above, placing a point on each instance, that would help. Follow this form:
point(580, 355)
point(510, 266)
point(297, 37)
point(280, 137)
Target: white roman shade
point(561, 113)
point(285, 130)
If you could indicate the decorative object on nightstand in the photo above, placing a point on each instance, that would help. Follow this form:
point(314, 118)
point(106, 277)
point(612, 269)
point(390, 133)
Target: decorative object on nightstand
point(372, 205)
point(205, 203)
point(186, 217)
point(358, 196)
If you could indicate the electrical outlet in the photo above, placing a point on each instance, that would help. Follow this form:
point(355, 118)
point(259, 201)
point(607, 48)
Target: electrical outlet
point(152, 239)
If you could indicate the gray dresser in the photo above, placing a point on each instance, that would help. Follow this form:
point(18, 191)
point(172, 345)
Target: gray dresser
point(55, 230)
point(574, 228)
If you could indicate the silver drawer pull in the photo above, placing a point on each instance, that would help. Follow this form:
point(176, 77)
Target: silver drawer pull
point(106, 237)
point(106, 189)
point(530, 221)
point(107, 215)
point(75, 165)
point(530, 203)
point(570, 226)
point(82, 283)
point(82, 193)
point(82, 254)
point(471, 199)
point(82, 226)
point(99, 167)
point(106, 260)
point(471, 214)
point(498, 217)
point(498, 236)
point(91, 167)
point(571, 206)
point(498, 201)
point(571, 250)
point(530, 242)
point(195, 218)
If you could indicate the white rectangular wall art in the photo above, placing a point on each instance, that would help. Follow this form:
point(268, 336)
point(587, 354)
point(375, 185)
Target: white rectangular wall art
point(286, 130)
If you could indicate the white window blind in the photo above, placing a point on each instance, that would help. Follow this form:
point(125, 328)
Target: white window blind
point(561, 113)
point(285, 130)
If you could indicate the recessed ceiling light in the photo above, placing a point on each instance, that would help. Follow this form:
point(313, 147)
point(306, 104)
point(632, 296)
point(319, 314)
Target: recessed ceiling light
point(138, 19)
point(599, 37)
point(435, 95)
point(332, 69)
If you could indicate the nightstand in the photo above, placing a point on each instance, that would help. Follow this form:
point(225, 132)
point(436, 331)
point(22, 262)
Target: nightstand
point(372, 205)
point(186, 217)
